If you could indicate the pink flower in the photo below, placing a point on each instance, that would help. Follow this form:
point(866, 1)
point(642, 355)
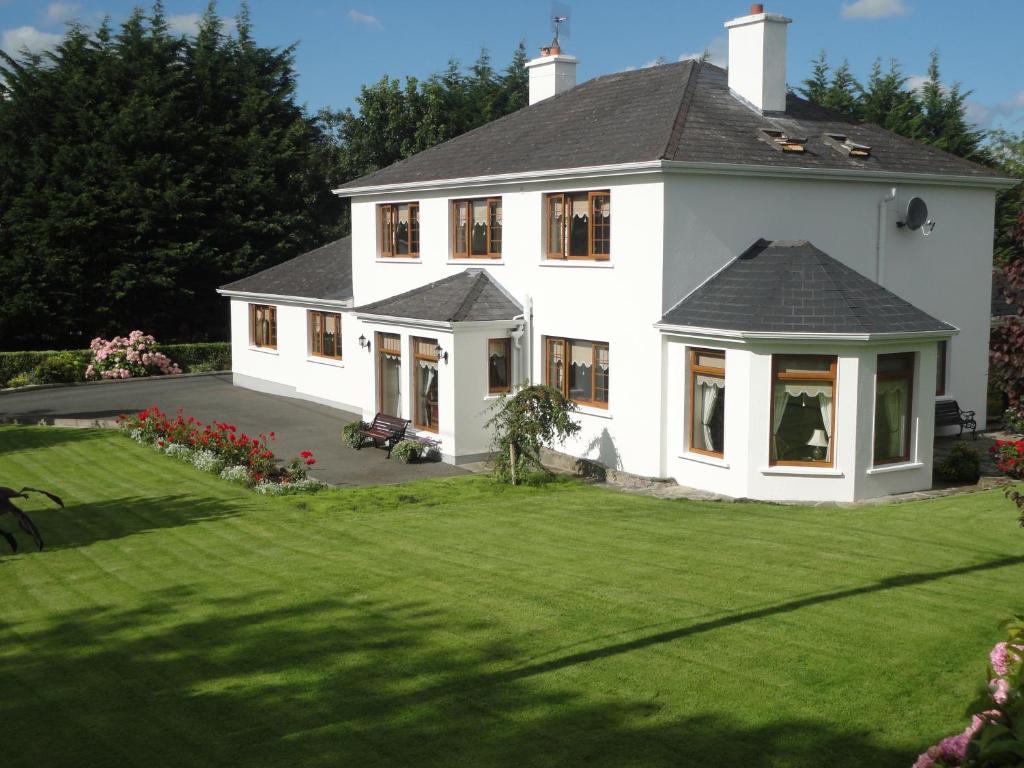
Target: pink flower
point(1002, 657)
point(1000, 689)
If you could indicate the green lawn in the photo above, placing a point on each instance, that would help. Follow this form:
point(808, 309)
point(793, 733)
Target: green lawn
point(177, 620)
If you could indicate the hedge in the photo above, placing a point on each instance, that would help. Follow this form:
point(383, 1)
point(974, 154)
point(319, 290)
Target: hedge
point(193, 358)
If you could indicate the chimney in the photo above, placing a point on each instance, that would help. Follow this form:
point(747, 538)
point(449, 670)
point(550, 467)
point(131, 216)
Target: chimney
point(551, 73)
point(757, 59)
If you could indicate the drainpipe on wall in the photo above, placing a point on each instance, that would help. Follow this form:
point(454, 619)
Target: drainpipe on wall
point(883, 217)
point(517, 338)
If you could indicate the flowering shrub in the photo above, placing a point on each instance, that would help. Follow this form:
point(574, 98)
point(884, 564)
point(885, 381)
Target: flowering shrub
point(215, 447)
point(1009, 457)
point(1014, 419)
point(995, 736)
point(128, 358)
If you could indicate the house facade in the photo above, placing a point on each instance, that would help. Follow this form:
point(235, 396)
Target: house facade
point(740, 290)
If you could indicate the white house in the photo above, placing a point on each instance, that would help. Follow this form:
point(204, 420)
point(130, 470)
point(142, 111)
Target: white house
point(772, 311)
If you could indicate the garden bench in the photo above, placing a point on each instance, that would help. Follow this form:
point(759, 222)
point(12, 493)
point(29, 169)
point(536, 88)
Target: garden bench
point(948, 413)
point(385, 431)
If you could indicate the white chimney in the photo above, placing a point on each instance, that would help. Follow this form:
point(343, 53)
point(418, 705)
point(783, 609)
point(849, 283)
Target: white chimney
point(757, 58)
point(551, 73)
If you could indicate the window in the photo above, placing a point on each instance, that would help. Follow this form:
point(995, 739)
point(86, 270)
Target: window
point(941, 353)
point(579, 225)
point(476, 228)
point(579, 369)
point(499, 365)
point(424, 372)
point(263, 321)
point(894, 388)
point(707, 401)
point(399, 227)
point(325, 334)
point(803, 420)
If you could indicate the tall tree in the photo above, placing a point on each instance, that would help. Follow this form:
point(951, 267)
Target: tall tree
point(140, 169)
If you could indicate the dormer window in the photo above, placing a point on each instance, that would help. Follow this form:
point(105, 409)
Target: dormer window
point(476, 228)
point(398, 227)
point(579, 225)
point(848, 147)
point(781, 141)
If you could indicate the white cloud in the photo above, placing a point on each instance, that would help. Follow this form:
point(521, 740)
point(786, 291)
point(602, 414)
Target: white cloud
point(916, 82)
point(14, 40)
point(184, 24)
point(58, 13)
point(874, 9)
point(364, 18)
point(717, 50)
point(1009, 111)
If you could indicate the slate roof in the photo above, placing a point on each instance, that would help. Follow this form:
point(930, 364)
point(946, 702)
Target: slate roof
point(681, 111)
point(792, 287)
point(472, 295)
point(323, 273)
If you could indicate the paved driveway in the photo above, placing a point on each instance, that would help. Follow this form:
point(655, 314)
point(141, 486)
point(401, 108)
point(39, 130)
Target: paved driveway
point(298, 424)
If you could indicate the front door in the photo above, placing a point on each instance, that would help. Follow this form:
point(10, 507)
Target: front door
point(389, 374)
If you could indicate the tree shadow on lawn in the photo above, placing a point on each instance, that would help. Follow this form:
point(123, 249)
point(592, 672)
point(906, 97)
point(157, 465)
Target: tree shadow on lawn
point(256, 680)
point(78, 525)
point(25, 439)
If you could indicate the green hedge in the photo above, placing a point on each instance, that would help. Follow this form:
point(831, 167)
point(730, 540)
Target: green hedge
point(193, 358)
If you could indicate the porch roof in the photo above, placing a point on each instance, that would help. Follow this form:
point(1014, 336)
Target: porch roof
point(469, 296)
point(783, 286)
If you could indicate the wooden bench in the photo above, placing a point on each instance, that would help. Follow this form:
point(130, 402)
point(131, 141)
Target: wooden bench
point(948, 414)
point(385, 431)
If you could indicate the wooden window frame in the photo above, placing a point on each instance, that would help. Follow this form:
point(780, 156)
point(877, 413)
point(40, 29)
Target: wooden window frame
point(831, 375)
point(706, 370)
point(907, 374)
point(313, 351)
point(566, 344)
point(941, 367)
point(382, 340)
point(254, 337)
point(417, 356)
point(489, 204)
point(387, 230)
point(507, 343)
point(564, 200)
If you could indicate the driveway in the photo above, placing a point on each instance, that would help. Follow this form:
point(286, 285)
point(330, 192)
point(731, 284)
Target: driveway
point(299, 424)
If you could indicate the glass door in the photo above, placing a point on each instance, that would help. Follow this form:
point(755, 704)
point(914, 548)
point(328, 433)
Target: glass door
point(389, 374)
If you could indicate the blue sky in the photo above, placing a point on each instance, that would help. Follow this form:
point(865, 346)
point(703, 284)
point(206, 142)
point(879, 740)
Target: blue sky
point(342, 45)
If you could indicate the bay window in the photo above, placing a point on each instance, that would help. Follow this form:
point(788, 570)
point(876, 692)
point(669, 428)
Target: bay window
point(802, 413)
point(263, 325)
point(398, 227)
point(499, 365)
point(579, 225)
point(707, 401)
point(894, 387)
point(325, 334)
point(476, 228)
point(578, 369)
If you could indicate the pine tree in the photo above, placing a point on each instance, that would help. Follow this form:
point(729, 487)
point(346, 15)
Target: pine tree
point(815, 88)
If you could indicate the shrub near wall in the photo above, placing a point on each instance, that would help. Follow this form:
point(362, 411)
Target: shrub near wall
point(193, 358)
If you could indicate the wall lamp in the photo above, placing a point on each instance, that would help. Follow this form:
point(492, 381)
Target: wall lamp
point(441, 354)
point(364, 343)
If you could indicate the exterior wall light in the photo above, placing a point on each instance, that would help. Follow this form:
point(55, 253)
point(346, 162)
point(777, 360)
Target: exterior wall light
point(364, 343)
point(441, 354)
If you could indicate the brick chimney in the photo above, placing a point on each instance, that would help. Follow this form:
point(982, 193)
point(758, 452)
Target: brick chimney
point(551, 73)
point(757, 59)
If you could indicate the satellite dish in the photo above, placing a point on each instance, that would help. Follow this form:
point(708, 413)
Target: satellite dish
point(916, 215)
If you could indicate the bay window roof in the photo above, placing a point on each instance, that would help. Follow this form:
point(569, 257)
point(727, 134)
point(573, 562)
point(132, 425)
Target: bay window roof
point(469, 296)
point(791, 287)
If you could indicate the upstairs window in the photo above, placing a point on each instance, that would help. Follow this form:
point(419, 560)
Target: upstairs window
point(263, 325)
point(476, 228)
point(894, 387)
point(579, 369)
point(803, 421)
point(325, 334)
point(399, 229)
point(579, 225)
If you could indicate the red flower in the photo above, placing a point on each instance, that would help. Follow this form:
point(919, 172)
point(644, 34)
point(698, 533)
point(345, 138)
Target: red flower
point(310, 462)
point(306, 454)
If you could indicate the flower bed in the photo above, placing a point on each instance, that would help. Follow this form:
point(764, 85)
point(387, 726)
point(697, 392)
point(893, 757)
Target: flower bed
point(1009, 457)
point(995, 736)
point(219, 448)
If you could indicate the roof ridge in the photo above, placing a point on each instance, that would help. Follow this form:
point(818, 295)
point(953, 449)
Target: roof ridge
point(828, 264)
point(479, 282)
point(684, 109)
